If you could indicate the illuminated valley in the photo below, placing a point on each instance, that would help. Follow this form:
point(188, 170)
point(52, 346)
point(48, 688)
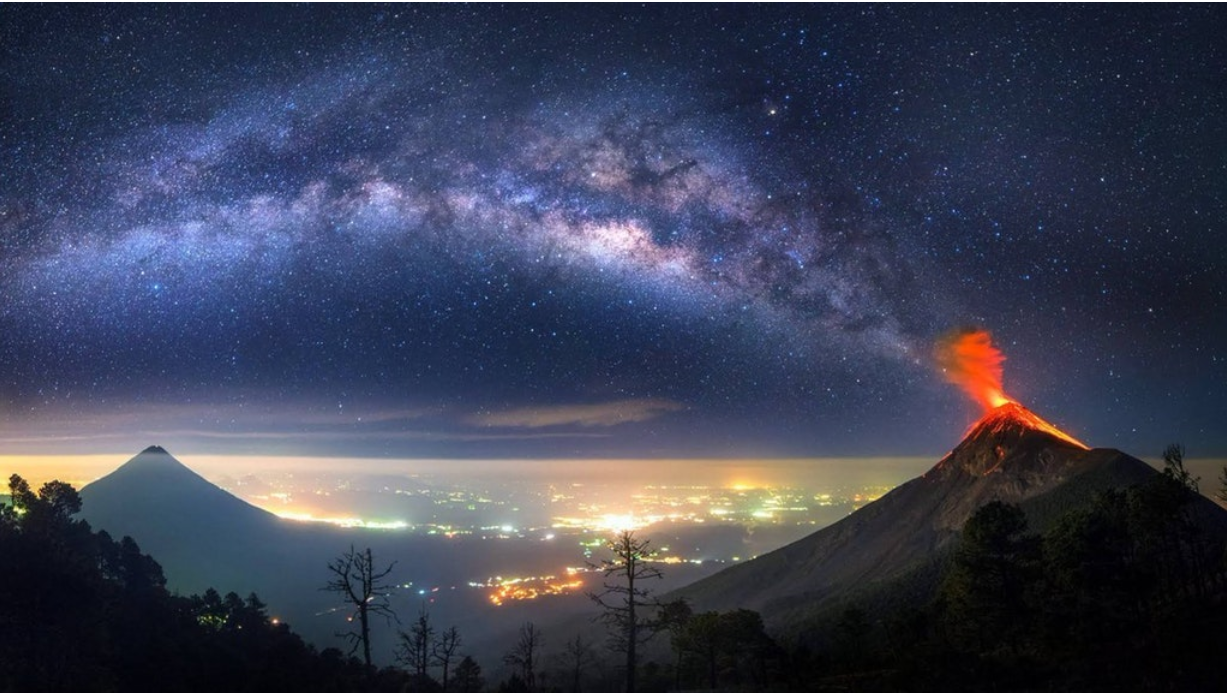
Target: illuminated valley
point(690, 524)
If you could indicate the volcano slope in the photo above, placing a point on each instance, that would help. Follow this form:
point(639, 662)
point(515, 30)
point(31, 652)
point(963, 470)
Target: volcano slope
point(896, 545)
point(203, 536)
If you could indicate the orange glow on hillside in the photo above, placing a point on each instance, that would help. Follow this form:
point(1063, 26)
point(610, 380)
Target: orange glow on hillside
point(969, 360)
point(1016, 415)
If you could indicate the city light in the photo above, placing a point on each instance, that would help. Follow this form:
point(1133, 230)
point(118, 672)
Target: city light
point(503, 590)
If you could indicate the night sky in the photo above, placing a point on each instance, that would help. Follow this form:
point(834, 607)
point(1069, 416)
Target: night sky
point(606, 231)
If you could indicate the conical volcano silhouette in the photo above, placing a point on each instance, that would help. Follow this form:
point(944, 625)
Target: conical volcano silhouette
point(200, 533)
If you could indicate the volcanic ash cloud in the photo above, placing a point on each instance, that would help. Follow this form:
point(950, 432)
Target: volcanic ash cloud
point(968, 359)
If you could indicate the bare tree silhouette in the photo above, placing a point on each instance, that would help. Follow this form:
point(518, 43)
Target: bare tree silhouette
point(357, 580)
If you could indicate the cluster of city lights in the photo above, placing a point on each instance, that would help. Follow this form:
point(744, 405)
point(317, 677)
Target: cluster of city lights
point(503, 590)
point(345, 522)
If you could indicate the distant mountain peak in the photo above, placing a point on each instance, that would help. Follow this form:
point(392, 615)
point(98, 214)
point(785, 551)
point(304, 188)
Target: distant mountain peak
point(156, 461)
point(154, 476)
point(196, 529)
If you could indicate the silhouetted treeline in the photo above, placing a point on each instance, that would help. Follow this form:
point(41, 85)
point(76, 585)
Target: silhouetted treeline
point(1127, 592)
point(82, 612)
point(1124, 593)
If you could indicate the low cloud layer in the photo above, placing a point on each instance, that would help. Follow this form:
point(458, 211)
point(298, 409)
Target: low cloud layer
point(605, 414)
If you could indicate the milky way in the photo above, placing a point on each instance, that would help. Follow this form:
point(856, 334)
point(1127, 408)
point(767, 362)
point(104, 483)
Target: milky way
point(549, 231)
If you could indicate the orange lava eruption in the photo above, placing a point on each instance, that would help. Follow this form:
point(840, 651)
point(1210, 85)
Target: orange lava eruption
point(969, 360)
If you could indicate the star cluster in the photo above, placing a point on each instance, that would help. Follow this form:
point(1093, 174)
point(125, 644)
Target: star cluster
point(416, 231)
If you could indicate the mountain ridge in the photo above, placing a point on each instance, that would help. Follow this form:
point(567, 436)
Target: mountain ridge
point(1010, 455)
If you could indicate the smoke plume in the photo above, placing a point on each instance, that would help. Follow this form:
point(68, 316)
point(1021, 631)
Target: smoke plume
point(968, 359)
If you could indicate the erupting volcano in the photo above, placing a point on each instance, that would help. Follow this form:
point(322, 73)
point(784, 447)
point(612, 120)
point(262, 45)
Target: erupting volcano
point(968, 359)
point(896, 545)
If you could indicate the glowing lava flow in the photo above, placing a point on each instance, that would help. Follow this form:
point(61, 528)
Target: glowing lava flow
point(1014, 416)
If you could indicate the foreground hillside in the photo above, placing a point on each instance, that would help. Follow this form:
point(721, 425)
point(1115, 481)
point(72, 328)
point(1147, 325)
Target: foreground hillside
point(82, 612)
point(904, 538)
point(1127, 592)
point(1122, 590)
